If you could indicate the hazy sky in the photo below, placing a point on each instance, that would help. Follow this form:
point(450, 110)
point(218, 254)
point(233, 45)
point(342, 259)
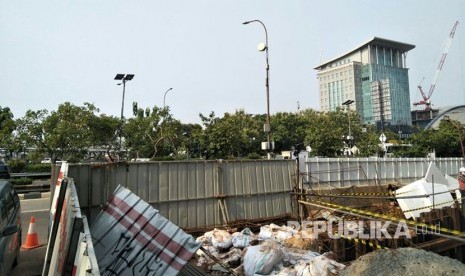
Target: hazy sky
point(57, 51)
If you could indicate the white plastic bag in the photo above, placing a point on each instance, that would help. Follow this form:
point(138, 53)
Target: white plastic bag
point(261, 259)
point(275, 232)
point(242, 239)
point(220, 239)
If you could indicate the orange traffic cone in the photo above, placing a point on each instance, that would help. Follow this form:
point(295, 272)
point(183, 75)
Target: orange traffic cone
point(32, 241)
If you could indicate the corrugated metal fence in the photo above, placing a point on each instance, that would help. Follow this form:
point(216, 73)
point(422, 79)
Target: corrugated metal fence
point(202, 194)
point(193, 194)
point(346, 172)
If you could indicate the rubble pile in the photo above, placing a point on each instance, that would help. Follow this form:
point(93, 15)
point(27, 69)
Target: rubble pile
point(404, 261)
point(275, 250)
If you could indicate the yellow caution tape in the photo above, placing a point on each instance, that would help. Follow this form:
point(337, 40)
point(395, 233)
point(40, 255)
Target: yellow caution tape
point(395, 219)
point(371, 244)
point(380, 194)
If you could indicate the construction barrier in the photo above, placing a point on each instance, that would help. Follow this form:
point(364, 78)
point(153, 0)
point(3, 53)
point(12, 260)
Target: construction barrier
point(68, 227)
point(85, 262)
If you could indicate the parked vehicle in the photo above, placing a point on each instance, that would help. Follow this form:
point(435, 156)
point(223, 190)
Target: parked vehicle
point(46, 161)
point(49, 161)
point(4, 171)
point(10, 227)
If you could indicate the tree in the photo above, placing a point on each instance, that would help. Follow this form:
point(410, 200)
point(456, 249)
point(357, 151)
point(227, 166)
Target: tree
point(152, 132)
point(191, 140)
point(30, 133)
point(231, 136)
point(444, 141)
point(324, 132)
point(104, 133)
point(288, 130)
point(7, 126)
point(66, 133)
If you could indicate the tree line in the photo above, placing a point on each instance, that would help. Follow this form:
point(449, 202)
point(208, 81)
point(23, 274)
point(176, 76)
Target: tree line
point(69, 133)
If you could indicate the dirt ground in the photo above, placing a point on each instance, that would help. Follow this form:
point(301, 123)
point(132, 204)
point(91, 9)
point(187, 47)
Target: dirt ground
point(405, 262)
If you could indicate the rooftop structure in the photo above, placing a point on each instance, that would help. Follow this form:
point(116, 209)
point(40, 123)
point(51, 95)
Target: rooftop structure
point(375, 76)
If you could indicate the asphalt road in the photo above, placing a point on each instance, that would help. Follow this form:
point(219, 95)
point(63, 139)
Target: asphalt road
point(31, 261)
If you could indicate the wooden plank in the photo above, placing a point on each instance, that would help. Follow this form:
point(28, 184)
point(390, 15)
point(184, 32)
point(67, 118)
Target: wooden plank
point(440, 245)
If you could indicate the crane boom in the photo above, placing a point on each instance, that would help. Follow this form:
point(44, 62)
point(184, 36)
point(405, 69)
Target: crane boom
point(443, 58)
point(426, 98)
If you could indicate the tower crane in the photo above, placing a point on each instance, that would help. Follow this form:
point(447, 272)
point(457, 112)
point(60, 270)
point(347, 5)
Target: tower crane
point(427, 98)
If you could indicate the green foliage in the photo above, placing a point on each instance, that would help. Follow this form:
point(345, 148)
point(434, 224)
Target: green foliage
point(445, 141)
point(71, 130)
point(16, 165)
point(254, 155)
point(288, 130)
point(21, 181)
point(152, 133)
point(233, 136)
point(7, 126)
point(39, 168)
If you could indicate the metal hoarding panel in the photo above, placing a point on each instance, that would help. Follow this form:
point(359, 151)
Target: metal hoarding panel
point(257, 189)
point(130, 237)
point(61, 192)
point(190, 193)
point(53, 207)
point(333, 172)
point(85, 263)
point(70, 225)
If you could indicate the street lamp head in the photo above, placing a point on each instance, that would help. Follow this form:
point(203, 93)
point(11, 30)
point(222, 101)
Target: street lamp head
point(261, 46)
point(246, 22)
point(119, 76)
point(129, 77)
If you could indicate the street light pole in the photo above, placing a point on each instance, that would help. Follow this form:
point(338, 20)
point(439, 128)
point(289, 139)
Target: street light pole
point(349, 138)
point(123, 78)
point(164, 97)
point(261, 47)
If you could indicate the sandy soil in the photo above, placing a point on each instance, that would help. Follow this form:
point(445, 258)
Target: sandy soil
point(405, 262)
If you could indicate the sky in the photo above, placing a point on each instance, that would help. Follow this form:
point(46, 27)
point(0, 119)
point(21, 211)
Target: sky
point(53, 52)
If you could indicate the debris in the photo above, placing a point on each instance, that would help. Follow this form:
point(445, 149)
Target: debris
point(300, 241)
point(243, 239)
point(323, 266)
point(282, 250)
point(275, 232)
point(220, 239)
point(292, 255)
point(262, 259)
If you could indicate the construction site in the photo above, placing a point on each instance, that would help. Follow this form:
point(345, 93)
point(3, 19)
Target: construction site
point(408, 229)
point(309, 216)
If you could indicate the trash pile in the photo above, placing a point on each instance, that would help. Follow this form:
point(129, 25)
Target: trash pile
point(276, 250)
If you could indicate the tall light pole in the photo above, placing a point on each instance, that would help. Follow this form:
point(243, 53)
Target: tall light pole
point(347, 107)
point(164, 97)
point(264, 47)
point(123, 78)
point(459, 131)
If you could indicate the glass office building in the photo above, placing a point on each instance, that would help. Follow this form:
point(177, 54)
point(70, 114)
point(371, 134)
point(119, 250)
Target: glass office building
point(375, 76)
